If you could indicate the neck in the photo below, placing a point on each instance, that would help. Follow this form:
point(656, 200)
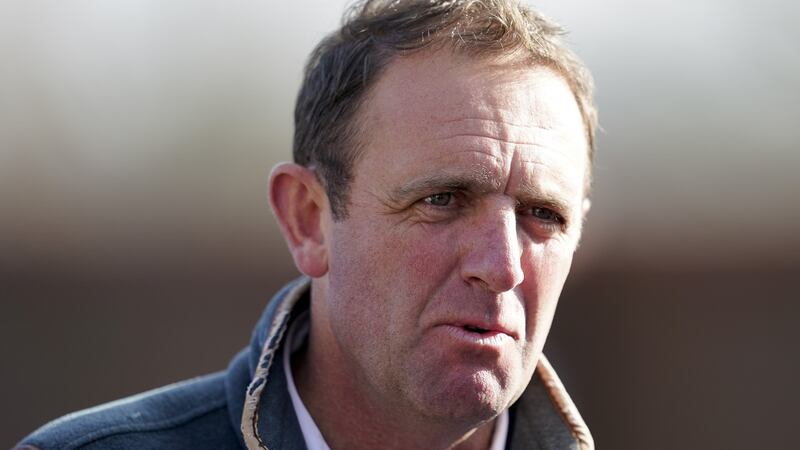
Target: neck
point(351, 415)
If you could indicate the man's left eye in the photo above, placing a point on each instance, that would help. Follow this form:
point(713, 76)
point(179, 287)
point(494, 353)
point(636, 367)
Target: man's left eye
point(545, 214)
point(440, 199)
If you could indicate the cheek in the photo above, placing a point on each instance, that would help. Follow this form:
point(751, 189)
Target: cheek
point(429, 263)
point(352, 297)
point(546, 270)
point(419, 265)
point(417, 254)
point(550, 264)
point(384, 276)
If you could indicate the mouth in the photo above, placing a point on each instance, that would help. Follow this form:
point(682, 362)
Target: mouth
point(484, 328)
point(483, 335)
point(476, 329)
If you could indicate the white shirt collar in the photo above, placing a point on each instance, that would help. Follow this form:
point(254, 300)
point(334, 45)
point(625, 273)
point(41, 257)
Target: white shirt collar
point(314, 441)
point(294, 340)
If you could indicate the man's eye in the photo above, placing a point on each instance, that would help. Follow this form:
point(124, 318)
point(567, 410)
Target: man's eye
point(441, 199)
point(545, 214)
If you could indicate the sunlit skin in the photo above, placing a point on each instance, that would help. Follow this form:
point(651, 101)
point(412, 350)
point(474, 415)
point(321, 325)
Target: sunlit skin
point(432, 299)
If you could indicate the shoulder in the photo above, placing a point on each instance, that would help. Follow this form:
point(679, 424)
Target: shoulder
point(182, 415)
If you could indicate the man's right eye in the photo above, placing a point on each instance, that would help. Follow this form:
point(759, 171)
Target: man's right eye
point(440, 199)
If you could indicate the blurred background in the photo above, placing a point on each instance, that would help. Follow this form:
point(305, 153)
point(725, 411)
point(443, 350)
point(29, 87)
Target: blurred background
point(137, 247)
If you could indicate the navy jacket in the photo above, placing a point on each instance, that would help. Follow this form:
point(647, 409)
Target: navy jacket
point(248, 406)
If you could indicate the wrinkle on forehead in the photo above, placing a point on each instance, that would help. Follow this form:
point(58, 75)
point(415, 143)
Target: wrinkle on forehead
point(482, 173)
point(532, 150)
point(448, 110)
point(491, 129)
point(539, 150)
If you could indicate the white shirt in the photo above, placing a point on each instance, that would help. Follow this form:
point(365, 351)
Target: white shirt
point(297, 335)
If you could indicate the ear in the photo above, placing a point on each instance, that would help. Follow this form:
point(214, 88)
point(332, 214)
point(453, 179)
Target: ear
point(299, 203)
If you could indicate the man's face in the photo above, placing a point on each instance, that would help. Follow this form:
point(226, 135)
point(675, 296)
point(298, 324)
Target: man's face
point(465, 210)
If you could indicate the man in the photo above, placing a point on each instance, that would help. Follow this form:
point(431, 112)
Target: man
point(442, 164)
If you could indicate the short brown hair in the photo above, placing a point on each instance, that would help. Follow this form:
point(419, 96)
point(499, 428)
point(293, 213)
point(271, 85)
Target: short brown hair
point(347, 62)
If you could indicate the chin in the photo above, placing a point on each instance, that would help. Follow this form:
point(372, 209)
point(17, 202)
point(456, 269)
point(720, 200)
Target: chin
point(476, 398)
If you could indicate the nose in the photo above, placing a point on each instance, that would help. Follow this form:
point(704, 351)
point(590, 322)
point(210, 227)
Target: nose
point(492, 254)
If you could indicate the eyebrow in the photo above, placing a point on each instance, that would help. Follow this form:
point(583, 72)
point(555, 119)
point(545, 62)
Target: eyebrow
point(474, 182)
point(478, 183)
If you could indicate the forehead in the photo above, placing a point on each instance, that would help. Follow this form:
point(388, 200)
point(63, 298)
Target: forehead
point(441, 111)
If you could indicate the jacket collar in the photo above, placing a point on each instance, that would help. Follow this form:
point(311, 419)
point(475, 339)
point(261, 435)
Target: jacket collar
point(544, 418)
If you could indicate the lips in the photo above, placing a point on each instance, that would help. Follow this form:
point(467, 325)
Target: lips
point(476, 329)
point(477, 332)
point(463, 335)
point(482, 327)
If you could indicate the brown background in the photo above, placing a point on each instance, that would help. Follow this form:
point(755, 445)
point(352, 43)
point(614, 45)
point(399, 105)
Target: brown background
point(136, 246)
